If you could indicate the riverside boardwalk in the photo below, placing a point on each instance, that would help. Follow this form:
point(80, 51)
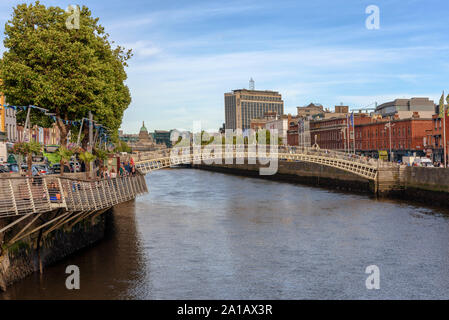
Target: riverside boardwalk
point(46, 218)
point(73, 198)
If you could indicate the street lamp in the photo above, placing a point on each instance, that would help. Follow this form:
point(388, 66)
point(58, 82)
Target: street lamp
point(343, 135)
point(389, 125)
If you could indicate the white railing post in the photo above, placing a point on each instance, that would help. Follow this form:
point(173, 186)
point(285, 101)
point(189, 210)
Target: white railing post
point(46, 192)
point(93, 196)
point(127, 188)
point(61, 190)
point(13, 197)
point(31, 194)
point(114, 186)
point(102, 186)
point(100, 204)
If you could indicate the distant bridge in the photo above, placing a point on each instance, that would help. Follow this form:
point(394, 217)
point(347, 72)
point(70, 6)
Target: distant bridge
point(358, 165)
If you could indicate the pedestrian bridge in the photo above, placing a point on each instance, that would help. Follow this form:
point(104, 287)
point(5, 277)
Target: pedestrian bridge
point(358, 165)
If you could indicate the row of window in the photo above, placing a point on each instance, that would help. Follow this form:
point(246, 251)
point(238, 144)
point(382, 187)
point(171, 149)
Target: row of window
point(405, 145)
point(382, 132)
point(253, 105)
point(327, 124)
point(372, 145)
point(437, 123)
point(11, 131)
point(261, 98)
point(256, 111)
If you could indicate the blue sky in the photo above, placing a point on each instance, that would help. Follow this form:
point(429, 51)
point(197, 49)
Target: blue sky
point(188, 53)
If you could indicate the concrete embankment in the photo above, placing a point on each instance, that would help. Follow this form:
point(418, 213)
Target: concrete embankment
point(301, 172)
point(428, 186)
point(32, 254)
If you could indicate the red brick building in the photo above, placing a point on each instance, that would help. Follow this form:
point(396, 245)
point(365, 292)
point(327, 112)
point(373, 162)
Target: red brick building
point(408, 136)
point(329, 133)
point(332, 133)
point(292, 133)
point(434, 139)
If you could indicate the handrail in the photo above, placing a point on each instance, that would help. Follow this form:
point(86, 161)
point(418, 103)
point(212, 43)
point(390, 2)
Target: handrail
point(356, 164)
point(26, 195)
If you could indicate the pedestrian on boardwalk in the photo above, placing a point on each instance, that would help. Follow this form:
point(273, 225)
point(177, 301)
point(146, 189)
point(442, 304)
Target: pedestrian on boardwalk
point(127, 167)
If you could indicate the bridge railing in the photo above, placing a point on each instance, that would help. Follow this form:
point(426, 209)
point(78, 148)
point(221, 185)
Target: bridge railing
point(281, 151)
point(25, 195)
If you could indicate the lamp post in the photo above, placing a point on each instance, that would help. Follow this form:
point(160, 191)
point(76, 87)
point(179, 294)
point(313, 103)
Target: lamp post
point(389, 125)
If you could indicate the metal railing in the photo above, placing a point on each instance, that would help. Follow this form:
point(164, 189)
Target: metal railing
point(25, 195)
point(359, 165)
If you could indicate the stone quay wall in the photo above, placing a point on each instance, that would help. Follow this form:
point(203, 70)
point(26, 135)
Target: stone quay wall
point(33, 253)
point(417, 184)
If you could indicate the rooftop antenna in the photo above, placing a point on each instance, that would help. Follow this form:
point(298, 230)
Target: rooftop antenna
point(251, 84)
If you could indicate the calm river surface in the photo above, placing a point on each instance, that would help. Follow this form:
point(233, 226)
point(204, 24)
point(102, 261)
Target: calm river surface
point(204, 235)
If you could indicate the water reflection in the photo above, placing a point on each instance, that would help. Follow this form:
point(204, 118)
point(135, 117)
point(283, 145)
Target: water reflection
point(111, 269)
point(204, 235)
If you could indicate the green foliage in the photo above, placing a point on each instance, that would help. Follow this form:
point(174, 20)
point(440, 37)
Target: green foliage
point(86, 157)
point(37, 117)
point(75, 148)
point(74, 134)
point(101, 153)
point(27, 148)
point(65, 153)
point(53, 157)
point(122, 146)
point(68, 72)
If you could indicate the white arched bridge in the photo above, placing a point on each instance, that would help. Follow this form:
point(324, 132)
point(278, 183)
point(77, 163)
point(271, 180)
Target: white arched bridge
point(358, 165)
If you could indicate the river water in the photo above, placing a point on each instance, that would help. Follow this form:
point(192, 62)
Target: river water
point(205, 235)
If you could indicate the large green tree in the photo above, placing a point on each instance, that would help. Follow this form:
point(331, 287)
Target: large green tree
point(68, 71)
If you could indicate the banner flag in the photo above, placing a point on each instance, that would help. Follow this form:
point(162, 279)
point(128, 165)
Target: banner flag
point(441, 106)
point(447, 100)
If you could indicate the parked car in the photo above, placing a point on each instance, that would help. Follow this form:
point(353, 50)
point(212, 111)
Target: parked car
point(13, 167)
point(34, 169)
point(56, 168)
point(42, 168)
point(423, 162)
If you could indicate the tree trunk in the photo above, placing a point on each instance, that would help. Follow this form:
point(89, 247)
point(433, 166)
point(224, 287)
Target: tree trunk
point(29, 163)
point(62, 141)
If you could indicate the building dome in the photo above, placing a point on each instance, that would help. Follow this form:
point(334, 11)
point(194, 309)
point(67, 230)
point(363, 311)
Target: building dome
point(143, 127)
